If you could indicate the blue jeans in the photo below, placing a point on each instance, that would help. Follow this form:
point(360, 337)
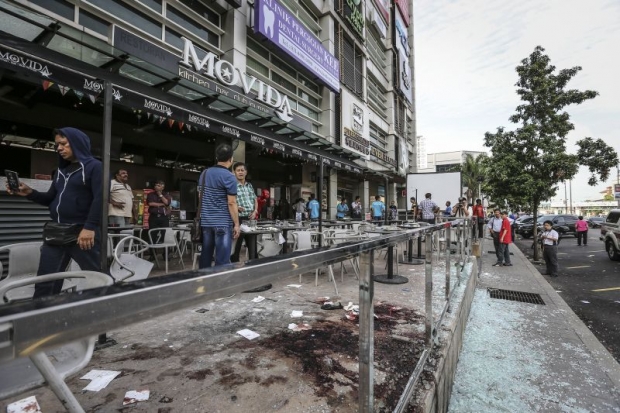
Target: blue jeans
point(218, 240)
point(56, 259)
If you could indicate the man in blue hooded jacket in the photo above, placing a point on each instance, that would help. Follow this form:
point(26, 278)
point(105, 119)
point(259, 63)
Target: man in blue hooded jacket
point(74, 197)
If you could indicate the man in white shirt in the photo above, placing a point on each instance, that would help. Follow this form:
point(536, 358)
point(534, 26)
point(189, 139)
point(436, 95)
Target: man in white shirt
point(120, 208)
point(495, 227)
point(550, 248)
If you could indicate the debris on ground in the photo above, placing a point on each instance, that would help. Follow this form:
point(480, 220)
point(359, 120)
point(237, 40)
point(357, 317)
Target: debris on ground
point(297, 314)
point(249, 334)
point(99, 379)
point(135, 396)
point(299, 327)
point(27, 405)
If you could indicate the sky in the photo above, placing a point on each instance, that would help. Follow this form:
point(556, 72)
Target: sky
point(466, 52)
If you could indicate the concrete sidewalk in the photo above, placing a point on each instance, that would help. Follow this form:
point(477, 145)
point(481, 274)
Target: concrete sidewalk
point(527, 357)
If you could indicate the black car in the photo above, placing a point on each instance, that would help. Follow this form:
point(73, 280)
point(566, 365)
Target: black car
point(563, 224)
point(595, 222)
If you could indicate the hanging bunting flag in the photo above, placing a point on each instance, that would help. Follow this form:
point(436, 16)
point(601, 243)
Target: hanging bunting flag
point(189, 127)
point(155, 117)
point(170, 122)
point(47, 84)
point(92, 98)
point(180, 125)
point(79, 94)
point(161, 120)
point(64, 89)
point(148, 115)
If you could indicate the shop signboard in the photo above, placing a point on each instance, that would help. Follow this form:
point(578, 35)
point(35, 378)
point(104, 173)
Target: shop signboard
point(403, 7)
point(355, 125)
point(405, 80)
point(384, 7)
point(403, 164)
point(205, 69)
point(273, 21)
point(352, 12)
point(376, 21)
point(377, 154)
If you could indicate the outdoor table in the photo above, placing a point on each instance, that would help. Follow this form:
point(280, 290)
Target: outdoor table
point(390, 277)
point(338, 224)
point(252, 240)
point(285, 229)
point(410, 260)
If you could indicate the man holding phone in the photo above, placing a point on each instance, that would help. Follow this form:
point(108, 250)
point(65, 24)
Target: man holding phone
point(120, 208)
point(74, 201)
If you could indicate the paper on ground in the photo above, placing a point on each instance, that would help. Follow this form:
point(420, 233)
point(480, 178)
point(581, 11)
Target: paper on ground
point(294, 285)
point(249, 334)
point(297, 314)
point(27, 405)
point(585, 302)
point(299, 327)
point(134, 396)
point(100, 379)
point(258, 299)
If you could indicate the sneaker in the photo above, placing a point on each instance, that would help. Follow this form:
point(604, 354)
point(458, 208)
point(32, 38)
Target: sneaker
point(508, 265)
point(497, 264)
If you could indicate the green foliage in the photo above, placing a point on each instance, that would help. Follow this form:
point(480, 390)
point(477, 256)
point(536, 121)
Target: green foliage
point(526, 165)
point(473, 173)
point(608, 197)
point(598, 157)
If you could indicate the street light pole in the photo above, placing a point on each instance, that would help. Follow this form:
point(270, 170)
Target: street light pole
point(565, 199)
point(570, 187)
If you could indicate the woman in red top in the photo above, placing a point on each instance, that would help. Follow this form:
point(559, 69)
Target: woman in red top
point(581, 227)
point(478, 214)
point(505, 238)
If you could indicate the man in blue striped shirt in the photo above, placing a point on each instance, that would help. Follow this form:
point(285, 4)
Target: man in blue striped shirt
point(219, 216)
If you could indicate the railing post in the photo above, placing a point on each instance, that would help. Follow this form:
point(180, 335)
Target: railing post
point(428, 295)
point(448, 244)
point(366, 322)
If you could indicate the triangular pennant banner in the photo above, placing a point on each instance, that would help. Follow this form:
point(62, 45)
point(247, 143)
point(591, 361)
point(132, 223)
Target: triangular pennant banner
point(161, 120)
point(92, 98)
point(170, 122)
point(180, 125)
point(148, 115)
point(189, 127)
point(79, 94)
point(47, 84)
point(64, 89)
point(155, 117)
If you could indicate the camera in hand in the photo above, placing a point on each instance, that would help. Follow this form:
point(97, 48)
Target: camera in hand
point(12, 179)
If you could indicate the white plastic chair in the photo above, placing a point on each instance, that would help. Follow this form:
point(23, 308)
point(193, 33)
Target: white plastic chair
point(303, 241)
point(23, 263)
point(268, 247)
point(168, 241)
point(51, 366)
point(127, 265)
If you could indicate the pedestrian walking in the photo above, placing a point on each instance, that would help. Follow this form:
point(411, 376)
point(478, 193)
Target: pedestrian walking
point(356, 209)
point(219, 215)
point(478, 215)
point(378, 209)
point(74, 201)
point(495, 227)
point(581, 227)
point(314, 208)
point(505, 239)
point(550, 248)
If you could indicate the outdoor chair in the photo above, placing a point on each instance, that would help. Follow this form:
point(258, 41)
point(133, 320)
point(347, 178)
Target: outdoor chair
point(167, 241)
point(128, 265)
point(268, 247)
point(303, 241)
point(52, 366)
point(23, 263)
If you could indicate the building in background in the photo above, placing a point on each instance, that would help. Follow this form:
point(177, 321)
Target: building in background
point(291, 84)
point(446, 161)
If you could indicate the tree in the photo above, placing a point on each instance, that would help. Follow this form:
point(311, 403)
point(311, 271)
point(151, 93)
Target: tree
point(473, 173)
point(527, 164)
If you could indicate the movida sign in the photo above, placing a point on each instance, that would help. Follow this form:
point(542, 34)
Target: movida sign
point(226, 73)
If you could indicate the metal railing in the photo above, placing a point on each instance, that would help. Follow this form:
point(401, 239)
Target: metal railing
point(30, 327)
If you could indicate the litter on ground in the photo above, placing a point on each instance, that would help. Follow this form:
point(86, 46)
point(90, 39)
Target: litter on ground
point(27, 405)
point(258, 299)
point(297, 314)
point(249, 334)
point(135, 396)
point(99, 379)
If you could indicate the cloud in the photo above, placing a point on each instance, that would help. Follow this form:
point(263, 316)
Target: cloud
point(467, 51)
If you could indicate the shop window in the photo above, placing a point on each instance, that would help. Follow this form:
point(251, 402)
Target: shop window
point(257, 48)
point(351, 63)
point(309, 84)
point(312, 114)
point(173, 38)
point(94, 23)
point(202, 10)
point(152, 4)
point(130, 15)
point(310, 99)
point(59, 7)
point(256, 66)
point(279, 80)
point(378, 137)
point(303, 13)
point(192, 26)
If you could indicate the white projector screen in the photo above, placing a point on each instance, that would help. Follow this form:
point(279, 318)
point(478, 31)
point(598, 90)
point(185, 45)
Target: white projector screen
point(443, 186)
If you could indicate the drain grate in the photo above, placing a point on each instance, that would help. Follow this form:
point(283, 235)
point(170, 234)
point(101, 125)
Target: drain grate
point(519, 296)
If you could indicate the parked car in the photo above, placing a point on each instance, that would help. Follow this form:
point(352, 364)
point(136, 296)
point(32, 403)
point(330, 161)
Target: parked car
point(564, 224)
point(595, 222)
point(610, 234)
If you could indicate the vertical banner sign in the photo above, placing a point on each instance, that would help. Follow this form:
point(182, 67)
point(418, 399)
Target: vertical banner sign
point(355, 125)
point(279, 26)
point(403, 7)
point(384, 8)
point(405, 80)
point(403, 162)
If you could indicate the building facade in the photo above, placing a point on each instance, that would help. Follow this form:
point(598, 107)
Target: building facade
point(446, 161)
point(301, 88)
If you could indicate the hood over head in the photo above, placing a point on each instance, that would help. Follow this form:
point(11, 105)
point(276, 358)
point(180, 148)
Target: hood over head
point(80, 145)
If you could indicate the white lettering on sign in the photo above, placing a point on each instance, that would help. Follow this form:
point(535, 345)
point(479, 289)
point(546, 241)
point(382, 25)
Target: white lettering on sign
point(157, 107)
point(279, 146)
point(313, 157)
point(231, 130)
point(257, 139)
point(228, 74)
point(198, 120)
point(93, 86)
point(26, 63)
point(296, 152)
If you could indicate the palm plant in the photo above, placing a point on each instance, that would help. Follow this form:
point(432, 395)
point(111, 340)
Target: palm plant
point(473, 172)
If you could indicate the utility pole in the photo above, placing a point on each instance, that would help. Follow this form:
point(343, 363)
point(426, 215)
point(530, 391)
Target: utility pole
point(570, 187)
point(565, 199)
